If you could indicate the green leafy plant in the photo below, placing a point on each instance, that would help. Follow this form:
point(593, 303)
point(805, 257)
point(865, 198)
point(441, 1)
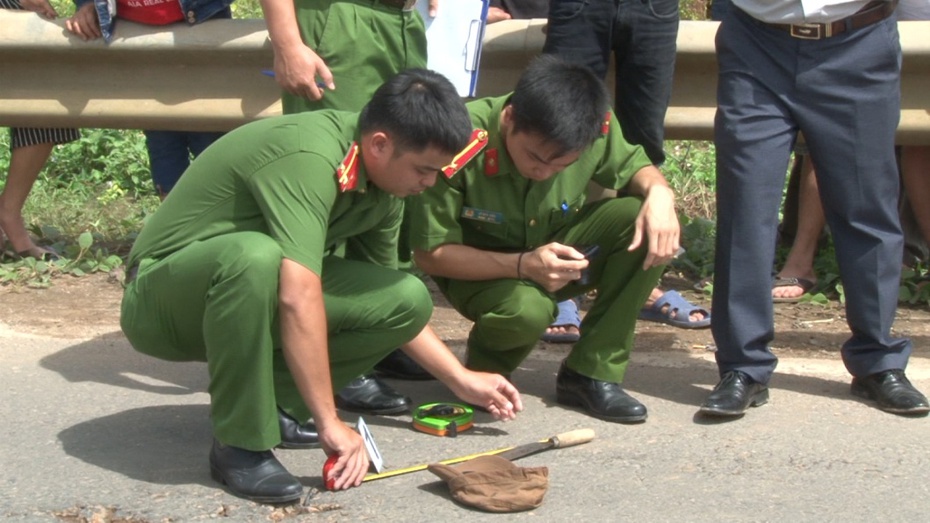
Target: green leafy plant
point(78, 260)
point(915, 285)
point(698, 237)
point(690, 168)
point(694, 9)
point(247, 9)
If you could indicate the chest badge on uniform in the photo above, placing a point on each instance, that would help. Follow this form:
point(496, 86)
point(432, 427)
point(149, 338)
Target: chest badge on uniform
point(481, 215)
point(347, 172)
point(479, 139)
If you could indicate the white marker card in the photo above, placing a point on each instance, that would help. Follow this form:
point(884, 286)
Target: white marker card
point(373, 454)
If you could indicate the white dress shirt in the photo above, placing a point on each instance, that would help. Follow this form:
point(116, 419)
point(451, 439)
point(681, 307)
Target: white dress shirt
point(800, 11)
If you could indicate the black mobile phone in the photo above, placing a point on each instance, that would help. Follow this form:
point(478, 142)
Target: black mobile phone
point(589, 252)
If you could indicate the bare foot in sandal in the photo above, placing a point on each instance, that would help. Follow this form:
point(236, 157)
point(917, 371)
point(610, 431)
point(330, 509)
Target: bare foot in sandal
point(790, 289)
point(15, 238)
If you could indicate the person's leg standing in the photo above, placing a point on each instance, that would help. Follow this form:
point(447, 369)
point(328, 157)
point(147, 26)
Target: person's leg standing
point(580, 32)
point(848, 107)
point(719, 9)
point(30, 149)
point(170, 154)
point(643, 36)
point(915, 175)
point(644, 43)
point(197, 141)
point(168, 158)
point(754, 133)
point(363, 42)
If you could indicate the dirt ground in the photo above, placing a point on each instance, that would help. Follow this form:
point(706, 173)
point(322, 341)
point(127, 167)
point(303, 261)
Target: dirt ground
point(89, 307)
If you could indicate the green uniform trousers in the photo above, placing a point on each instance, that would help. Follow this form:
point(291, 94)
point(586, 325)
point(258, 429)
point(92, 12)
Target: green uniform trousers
point(510, 314)
point(363, 42)
point(217, 301)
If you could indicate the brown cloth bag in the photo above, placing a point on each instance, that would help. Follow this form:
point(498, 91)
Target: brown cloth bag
point(494, 484)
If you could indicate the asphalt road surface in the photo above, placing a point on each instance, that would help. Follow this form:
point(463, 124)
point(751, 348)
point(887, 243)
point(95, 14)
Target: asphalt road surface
point(93, 431)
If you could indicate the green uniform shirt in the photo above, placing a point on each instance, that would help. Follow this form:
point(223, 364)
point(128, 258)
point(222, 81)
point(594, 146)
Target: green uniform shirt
point(489, 205)
point(278, 176)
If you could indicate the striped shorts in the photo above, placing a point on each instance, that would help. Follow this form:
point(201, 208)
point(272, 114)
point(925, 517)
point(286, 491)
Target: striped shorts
point(26, 136)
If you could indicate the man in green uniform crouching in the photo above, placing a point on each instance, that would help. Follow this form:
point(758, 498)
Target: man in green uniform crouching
point(503, 238)
point(236, 269)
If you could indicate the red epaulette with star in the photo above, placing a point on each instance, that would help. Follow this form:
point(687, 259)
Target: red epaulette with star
point(347, 172)
point(479, 139)
point(605, 125)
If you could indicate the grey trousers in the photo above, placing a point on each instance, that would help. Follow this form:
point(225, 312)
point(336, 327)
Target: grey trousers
point(843, 93)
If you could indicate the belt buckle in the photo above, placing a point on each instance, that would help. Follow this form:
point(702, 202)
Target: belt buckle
point(409, 4)
point(811, 31)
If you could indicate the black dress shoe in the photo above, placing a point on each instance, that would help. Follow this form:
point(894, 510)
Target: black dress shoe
point(892, 391)
point(601, 399)
point(398, 365)
point(257, 476)
point(735, 393)
point(369, 395)
point(297, 436)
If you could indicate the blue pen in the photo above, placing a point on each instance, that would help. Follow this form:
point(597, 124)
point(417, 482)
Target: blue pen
point(269, 72)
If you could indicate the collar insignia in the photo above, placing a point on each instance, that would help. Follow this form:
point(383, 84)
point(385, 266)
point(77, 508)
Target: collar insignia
point(347, 172)
point(479, 139)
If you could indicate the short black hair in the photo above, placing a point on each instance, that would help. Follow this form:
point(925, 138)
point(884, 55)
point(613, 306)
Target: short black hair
point(419, 108)
point(565, 103)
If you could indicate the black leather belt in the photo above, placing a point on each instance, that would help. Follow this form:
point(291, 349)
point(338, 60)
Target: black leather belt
point(406, 5)
point(873, 12)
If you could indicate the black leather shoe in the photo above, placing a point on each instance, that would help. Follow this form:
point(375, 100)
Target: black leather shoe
point(297, 436)
point(399, 365)
point(369, 395)
point(257, 476)
point(892, 391)
point(601, 399)
point(735, 393)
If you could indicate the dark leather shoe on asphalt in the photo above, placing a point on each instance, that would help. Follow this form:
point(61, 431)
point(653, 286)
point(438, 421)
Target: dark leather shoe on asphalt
point(601, 399)
point(892, 391)
point(369, 395)
point(398, 365)
point(257, 476)
point(735, 393)
point(297, 436)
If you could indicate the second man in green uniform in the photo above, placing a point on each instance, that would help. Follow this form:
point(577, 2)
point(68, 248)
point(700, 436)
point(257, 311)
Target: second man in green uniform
point(503, 237)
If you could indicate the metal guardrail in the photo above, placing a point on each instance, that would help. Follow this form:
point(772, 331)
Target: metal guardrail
point(208, 77)
point(508, 47)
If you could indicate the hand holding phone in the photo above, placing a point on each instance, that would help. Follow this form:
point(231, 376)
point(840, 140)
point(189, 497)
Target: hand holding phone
point(589, 252)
